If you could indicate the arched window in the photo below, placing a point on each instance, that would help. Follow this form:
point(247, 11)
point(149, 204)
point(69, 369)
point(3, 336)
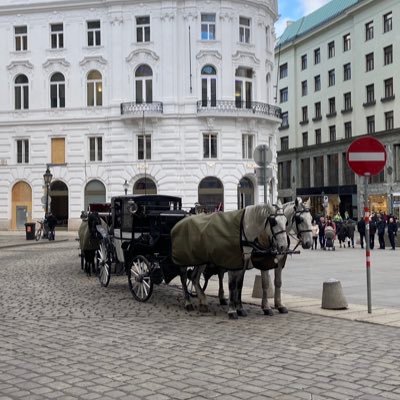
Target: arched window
point(144, 186)
point(95, 192)
point(208, 86)
point(211, 194)
point(243, 87)
point(21, 90)
point(94, 89)
point(245, 193)
point(144, 84)
point(57, 90)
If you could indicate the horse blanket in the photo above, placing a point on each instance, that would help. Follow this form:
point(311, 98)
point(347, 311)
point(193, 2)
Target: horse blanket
point(209, 238)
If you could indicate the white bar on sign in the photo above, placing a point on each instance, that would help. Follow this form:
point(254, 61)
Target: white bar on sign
point(366, 156)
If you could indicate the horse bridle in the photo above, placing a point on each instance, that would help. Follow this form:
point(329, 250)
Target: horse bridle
point(272, 222)
point(297, 219)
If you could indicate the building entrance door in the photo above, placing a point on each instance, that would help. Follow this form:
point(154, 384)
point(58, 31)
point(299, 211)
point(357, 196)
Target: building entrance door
point(21, 213)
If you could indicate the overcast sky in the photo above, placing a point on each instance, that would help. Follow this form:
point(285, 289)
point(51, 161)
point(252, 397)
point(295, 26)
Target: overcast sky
point(291, 10)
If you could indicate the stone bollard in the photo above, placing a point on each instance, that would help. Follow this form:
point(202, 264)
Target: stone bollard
point(332, 295)
point(257, 288)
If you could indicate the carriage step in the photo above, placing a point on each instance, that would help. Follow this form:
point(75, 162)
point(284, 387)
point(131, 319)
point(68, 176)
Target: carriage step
point(257, 288)
point(332, 295)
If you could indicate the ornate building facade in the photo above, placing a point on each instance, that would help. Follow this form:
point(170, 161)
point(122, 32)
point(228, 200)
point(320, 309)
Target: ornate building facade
point(167, 97)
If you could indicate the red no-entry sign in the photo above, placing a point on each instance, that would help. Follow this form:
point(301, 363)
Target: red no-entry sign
point(366, 156)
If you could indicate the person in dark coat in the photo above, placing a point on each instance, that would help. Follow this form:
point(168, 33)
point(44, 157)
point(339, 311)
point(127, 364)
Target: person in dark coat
point(392, 232)
point(372, 231)
point(361, 231)
point(51, 223)
point(321, 232)
point(381, 227)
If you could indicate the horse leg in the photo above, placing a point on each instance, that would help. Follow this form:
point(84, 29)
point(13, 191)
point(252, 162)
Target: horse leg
point(203, 306)
point(265, 286)
point(239, 307)
point(278, 284)
point(233, 295)
point(221, 293)
point(186, 295)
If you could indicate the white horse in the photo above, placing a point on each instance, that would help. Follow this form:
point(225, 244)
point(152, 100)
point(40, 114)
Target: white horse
point(299, 221)
point(254, 220)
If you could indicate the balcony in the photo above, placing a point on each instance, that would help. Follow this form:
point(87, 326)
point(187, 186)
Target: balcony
point(318, 118)
point(387, 98)
point(139, 109)
point(347, 110)
point(332, 114)
point(369, 103)
point(238, 108)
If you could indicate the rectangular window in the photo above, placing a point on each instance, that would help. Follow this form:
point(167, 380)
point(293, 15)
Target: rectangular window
point(388, 88)
point(283, 71)
point(93, 33)
point(331, 77)
point(304, 88)
point(387, 22)
point(144, 147)
point(304, 113)
point(347, 101)
point(305, 173)
point(346, 42)
point(143, 29)
point(348, 174)
point(284, 174)
point(317, 83)
point(210, 145)
point(389, 120)
point(396, 157)
point(23, 151)
point(304, 62)
point(57, 36)
point(317, 107)
point(21, 38)
point(370, 93)
point(58, 151)
point(207, 26)
point(333, 169)
point(284, 95)
point(317, 56)
point(318, 137)
point(331, 49)
point(371, 124)
point(305, 139)
point(369, 30)
point(348, 130)
point(285, 120)
point(388, 55)
point(247, 146)
point(284, 143)
point(332, 133)
point(347, 72)
point(96, 149)
point(244, 30)
point(319, 171)
point(369, 62)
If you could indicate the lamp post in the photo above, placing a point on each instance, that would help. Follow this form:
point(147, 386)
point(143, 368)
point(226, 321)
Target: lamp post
point(125, 186)
point(47, 177)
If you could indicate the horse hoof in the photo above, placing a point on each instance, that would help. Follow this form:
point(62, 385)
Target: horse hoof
point(283, 310)
point(242, 313)
point(223, 302)
point(232, 315)
point(203, 308)
point(268, 312)
point(189, 307)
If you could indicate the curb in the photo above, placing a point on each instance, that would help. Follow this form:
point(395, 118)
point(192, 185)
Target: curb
point(32, 243)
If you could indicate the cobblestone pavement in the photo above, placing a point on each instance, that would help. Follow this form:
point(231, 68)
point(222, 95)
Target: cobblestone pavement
point(62, 336)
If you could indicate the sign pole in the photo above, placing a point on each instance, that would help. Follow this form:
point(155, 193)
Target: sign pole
point(367, 243)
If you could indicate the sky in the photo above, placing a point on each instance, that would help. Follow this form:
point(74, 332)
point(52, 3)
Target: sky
point(291, 10)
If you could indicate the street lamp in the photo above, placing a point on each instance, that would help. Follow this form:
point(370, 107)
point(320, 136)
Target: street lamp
point(47, 177)
point(125, 186)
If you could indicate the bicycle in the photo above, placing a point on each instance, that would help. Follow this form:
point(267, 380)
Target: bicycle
point(40, 231)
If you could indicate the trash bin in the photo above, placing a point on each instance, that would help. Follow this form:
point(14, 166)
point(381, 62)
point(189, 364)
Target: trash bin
point(30, 230)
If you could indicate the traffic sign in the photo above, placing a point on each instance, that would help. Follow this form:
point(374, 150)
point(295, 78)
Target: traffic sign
point(366, 156)
point(262, 155)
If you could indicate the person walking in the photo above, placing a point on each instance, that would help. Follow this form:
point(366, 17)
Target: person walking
point(361, 231)
point(321, 232)
point(372, 231)
point(315, 234)
point(381, 227)
point(392, 232)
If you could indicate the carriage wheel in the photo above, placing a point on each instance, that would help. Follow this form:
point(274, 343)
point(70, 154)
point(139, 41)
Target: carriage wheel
point(190, 286)
point(103, 262)
point(140, 283)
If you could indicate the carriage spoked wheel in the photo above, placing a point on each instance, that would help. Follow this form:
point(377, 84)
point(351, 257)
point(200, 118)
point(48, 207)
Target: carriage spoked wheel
point(190, 286)
point(140, 283)
point(103, 261)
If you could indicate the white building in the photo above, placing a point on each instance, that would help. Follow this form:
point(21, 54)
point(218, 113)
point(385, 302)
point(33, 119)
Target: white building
point(338, 79)
point(167, 96)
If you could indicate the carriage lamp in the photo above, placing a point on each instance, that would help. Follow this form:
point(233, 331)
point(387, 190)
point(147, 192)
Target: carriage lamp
point(47, 177)
point(125, 185)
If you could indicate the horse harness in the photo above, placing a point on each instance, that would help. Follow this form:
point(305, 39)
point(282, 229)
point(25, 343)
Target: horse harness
point(298, 219)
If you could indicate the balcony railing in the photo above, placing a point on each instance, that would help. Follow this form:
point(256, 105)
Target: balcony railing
point(133, 108)
point(242, 107)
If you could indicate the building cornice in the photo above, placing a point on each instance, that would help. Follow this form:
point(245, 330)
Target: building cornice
point(20, 63)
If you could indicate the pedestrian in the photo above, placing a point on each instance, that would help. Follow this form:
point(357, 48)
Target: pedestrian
point(321, 232)
point(315, 234)
point(392, 232)
point(372, 230)
point(381, 227)
point(51, 223)
point(361, 231)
